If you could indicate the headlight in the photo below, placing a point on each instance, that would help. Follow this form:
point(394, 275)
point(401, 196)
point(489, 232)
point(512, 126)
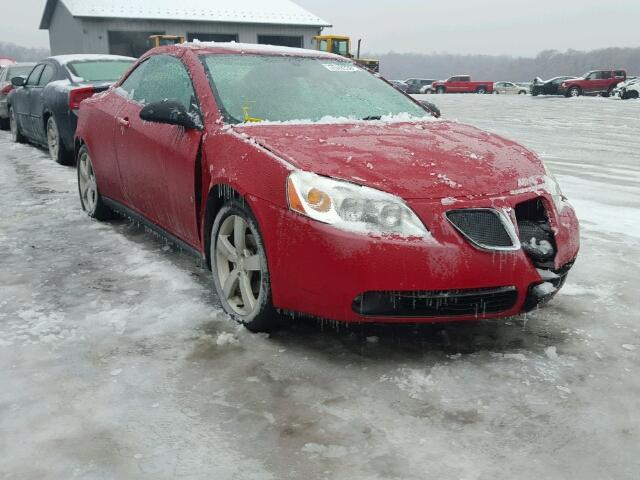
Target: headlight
point(351, 207)
point(553, 187)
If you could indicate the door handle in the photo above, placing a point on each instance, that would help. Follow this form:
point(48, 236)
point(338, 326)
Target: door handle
point(124, 122)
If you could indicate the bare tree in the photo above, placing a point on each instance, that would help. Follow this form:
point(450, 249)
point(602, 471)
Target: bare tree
point(22, 54)
point(546, 64)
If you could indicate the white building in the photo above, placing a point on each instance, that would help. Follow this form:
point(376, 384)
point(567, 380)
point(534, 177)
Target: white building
point(123, 27)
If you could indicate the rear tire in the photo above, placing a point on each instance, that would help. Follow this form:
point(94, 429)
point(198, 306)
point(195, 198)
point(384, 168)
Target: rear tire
point(57, 152)
point(522, 92)
point(633, 94)
point(16, 135)
point(240, 268)
point(90, 198)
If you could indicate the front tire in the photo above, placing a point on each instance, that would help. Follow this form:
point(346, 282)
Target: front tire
point(57, 152)
point(90, 197)
point(240, 268)
point(16, 136)
point(574, 92)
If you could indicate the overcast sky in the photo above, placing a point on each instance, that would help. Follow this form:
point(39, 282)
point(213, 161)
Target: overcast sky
point(522, 27)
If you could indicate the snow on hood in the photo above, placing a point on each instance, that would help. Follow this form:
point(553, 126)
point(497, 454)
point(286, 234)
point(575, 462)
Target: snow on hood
point(419, 160)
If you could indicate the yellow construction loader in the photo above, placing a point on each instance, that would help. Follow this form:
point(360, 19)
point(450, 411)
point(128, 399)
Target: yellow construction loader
point(162, 40)
point(341, 45)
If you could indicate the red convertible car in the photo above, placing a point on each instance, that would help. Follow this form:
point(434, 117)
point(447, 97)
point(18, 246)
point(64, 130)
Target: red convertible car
point(311, 186)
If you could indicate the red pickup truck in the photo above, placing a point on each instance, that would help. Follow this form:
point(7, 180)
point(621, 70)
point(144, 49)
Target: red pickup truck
point(462, 84)
point(595, 82)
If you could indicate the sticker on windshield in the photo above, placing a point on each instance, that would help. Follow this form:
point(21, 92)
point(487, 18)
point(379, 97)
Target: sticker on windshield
point(340, 67)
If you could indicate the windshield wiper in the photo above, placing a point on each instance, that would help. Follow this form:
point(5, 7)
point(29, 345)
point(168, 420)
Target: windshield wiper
point(373, 117)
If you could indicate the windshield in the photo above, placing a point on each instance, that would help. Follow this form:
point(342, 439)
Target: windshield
point(99, 70)
point(254, 88)
point(21, 71)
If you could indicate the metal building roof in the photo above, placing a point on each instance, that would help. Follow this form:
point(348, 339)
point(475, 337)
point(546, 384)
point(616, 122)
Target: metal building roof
point(276, 12)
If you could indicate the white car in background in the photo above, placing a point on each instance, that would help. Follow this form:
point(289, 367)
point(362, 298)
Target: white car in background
point(628, 89)
point(427, 89)
point(509, 88)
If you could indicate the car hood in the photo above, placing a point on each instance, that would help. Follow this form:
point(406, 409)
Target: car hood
point(425, 160)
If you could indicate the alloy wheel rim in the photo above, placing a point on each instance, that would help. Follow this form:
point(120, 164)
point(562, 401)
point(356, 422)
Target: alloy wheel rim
point(238, 265)
point(574, 92)
point(87, 182)
point(52, 139)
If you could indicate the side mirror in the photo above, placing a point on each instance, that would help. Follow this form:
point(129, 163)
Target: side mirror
point(18, 81)
point(169, 112)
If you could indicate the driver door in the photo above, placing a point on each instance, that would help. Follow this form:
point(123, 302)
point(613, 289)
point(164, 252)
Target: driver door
point(157, 162)
point(21, 102)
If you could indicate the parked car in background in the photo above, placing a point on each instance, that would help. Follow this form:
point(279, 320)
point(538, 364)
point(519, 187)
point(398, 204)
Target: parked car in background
point(627, 89)
point(417, 84)
point(302, 214)
point(547, 87)
point(509, 88)
point(7, 72)
point(462, 84)
point(43, 107)
point(630, 89)
point(596, 82)
point(400, 85)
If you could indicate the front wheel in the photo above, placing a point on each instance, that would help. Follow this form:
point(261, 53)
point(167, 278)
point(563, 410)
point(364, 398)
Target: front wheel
point(57, 152)
point(90, 197)
point(16, 135)
point(240, 269)
point(574, 92)
point(522, 92)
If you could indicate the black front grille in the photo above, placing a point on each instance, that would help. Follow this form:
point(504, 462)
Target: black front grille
point(446, 303)
point(483, 227)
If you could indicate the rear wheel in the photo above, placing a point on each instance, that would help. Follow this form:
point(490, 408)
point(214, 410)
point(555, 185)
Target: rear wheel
point(90, 198)
point(57, 152)
point(632, 94)
point(16, 136)
point(240, 269)
point(522, 92)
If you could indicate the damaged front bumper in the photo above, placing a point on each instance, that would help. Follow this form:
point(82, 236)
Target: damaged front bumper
point(326, 273)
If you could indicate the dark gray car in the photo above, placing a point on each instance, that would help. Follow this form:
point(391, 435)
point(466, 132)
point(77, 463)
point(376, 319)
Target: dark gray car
point(43, 107)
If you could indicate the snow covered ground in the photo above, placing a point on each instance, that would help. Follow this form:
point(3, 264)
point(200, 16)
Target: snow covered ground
point(117, 363)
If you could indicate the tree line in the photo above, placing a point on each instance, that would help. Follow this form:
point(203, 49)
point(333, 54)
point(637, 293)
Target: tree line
point(547, 64)
point(22, 54)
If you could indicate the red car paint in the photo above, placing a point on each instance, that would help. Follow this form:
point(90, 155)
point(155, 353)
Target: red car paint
point(462, 84)
point(593, 83)
point(158, 172)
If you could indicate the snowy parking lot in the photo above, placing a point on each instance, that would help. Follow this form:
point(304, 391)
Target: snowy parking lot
point(116, 361)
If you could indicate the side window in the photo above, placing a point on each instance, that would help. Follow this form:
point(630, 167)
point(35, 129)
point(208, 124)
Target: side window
point(47, 75)
point(32, 81)
point(162, 77)
point(606, 75)
point(132, 83)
